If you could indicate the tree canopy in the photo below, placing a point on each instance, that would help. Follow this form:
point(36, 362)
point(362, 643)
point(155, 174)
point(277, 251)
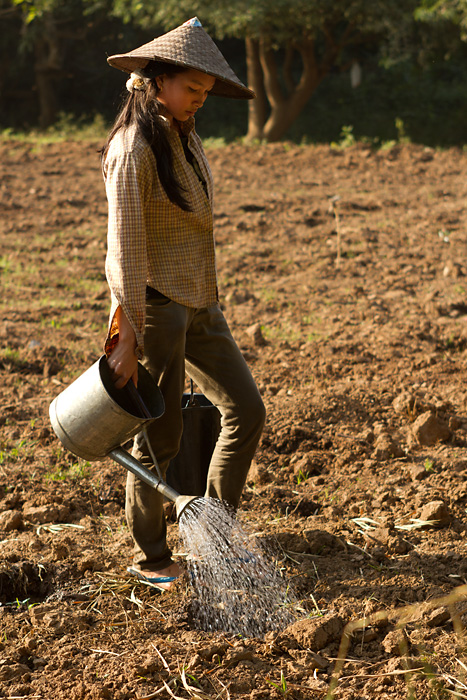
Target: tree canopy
point(290, 46)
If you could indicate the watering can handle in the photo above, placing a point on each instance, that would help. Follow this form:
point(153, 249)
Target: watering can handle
point(134, 393)
point(192, 401)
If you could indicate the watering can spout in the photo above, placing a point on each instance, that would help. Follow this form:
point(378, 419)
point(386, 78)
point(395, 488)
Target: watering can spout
point(183, 502)
point(129, 462)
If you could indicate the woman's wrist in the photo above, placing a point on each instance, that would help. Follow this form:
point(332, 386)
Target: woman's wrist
point(126, 333)
point(127, 339)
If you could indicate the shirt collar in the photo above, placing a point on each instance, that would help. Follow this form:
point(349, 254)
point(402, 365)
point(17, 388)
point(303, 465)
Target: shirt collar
point(186, 126)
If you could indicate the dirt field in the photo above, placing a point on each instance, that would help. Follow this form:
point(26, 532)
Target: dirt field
point(343, 275)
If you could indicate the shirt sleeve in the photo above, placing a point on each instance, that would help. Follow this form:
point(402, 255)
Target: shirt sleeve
point(127, 186)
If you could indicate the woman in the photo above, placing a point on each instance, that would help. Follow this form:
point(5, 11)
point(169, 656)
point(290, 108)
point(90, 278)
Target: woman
point(161, 271)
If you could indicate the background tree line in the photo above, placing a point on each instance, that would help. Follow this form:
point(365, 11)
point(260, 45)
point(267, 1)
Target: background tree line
point(390, 68)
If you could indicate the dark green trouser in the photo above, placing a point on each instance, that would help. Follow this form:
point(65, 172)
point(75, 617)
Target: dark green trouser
point(175, 335)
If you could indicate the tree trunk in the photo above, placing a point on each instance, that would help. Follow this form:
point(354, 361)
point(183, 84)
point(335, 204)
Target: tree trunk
point(47, 99)
point(281, 119)
point(263, 77)
point(46, 68)
point(287, 69)
point(285, 109)
point(257, 108)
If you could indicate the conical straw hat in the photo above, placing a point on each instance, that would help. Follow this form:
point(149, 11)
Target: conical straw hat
point(190, 46)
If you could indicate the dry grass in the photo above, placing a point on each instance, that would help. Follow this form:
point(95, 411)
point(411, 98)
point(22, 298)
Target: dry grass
point(403, 616)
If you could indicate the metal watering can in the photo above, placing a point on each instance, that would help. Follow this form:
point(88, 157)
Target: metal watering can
point(92, 419)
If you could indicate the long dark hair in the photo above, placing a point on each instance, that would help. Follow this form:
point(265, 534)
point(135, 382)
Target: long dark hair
point(142, 109)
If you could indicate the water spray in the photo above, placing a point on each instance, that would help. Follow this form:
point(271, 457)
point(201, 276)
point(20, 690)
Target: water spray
point(236, 587)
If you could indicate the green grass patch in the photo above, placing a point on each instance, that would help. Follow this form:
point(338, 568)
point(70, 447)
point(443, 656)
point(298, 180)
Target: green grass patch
point(70, 472)
point(66, 128)
point(12, 455)
point(10, 359)
point(214, 142)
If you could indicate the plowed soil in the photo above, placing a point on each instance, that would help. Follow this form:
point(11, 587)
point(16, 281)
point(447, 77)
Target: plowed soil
point(343, 275)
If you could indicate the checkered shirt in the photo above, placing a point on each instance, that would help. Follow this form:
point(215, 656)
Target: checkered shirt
point(150, 240)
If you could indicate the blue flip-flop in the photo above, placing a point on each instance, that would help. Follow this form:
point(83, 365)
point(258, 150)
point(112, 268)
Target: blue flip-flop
point(151, 580)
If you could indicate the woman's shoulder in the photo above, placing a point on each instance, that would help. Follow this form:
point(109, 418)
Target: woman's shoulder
point(127, 142)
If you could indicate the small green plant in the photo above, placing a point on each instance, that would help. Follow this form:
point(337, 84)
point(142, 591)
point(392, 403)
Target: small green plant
point(314, 337)
point(214, 142)
point(387, 145)
point(67, 126)
point(444, 235)
point(73, 472)
point(20, 451)
point(302, 476)
point(326, 495)
point(281, 686)
point(451, 342)
point(193, 678)
point(400, 128)
point(267, 294)
point(5, 265)
point(317, 612)
point(18, 604)
point(10, 356)
point(347, 138)
point(429, 465)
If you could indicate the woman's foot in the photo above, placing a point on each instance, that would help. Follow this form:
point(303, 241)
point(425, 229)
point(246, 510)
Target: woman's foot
point(174, 570)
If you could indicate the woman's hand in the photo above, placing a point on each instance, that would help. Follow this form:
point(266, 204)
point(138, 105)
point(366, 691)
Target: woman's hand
point(122, 361)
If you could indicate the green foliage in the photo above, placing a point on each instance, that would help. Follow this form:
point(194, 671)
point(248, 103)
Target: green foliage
point(72, 472)
point(16, 454)
point(346, 139)
point(438, 12)
point(65, 42)
point(67, 127)
point(436, 33)
point(431, 103)
point(279, 19)
point(36, 9)
point(39, 15)
point(307, 37)
point(281, 686)
point(411, 52)
point(10, 358)
point(214, 143)
point(429, 465)
point(400, 128)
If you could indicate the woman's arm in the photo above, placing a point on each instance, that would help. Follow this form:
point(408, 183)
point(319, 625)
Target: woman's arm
point(122, 360)
point(128, 179)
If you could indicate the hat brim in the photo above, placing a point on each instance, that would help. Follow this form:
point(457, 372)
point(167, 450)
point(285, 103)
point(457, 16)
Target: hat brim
point(222, 87)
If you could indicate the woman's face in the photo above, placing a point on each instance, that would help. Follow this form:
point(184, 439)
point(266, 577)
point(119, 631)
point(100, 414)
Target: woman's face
point(184, 93)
